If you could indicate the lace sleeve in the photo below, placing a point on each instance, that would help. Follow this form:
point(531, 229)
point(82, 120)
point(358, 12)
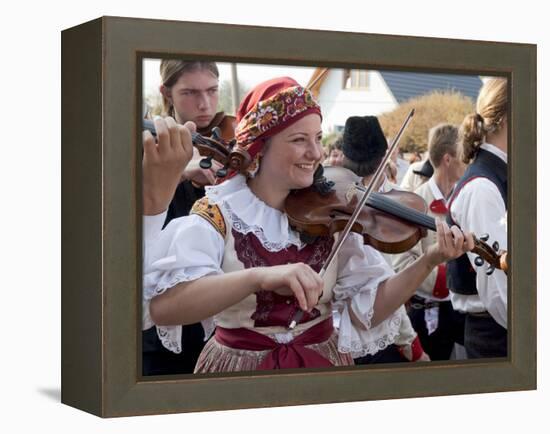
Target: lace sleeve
point(187, 249)
point(361, 269)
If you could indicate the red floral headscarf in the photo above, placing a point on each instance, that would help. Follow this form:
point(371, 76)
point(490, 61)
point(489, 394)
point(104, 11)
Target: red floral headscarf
point(268, 109)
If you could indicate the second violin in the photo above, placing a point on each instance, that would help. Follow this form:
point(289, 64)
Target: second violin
point(214, 148)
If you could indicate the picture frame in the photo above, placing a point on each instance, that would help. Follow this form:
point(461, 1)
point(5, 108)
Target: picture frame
point(101, 216)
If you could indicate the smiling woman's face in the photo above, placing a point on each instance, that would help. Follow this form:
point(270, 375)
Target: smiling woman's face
point(292, 155)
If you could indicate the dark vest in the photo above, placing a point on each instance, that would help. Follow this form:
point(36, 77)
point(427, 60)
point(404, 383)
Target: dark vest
point(185, 196)
point(461, 277)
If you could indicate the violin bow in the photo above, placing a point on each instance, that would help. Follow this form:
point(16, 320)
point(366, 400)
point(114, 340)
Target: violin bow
point(374, 181)
point(316, 79)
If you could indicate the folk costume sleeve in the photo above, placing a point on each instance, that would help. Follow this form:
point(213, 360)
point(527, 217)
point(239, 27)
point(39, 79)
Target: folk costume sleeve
point(361, 269)
point(188, 248)
point(152, 227)
point(403, 260)
point(480, 208)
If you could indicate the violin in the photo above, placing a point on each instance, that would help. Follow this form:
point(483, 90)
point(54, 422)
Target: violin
point(226, 125)
point(391, 222)
point(215, 148)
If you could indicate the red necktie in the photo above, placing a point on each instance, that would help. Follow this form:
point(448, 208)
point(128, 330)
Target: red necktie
point(438, 207)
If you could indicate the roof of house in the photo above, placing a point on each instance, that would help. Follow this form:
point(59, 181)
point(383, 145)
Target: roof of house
point(407, 85)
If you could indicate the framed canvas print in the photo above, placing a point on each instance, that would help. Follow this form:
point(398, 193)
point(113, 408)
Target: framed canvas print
point(122, 351)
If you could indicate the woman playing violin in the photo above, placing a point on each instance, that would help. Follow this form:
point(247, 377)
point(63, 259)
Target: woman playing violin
point(173, 179)
point(237, 264)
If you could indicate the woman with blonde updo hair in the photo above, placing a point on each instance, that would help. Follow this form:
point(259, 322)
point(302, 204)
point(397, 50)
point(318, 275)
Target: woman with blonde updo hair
point(489, 120)
point(479, 204)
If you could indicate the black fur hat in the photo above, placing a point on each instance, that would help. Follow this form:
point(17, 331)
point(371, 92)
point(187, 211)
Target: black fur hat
point(363, 139)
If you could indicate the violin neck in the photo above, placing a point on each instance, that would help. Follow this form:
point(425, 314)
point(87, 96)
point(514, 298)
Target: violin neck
point(150, 126)
point(196, 138)
point(381, 203)
point(384, 204)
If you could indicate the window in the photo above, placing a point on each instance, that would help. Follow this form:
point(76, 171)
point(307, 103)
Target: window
point(356, 79)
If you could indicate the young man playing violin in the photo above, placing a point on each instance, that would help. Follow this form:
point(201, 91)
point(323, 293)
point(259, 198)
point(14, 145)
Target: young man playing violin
point(190, 93)
point(173, 180)
point(250, 272)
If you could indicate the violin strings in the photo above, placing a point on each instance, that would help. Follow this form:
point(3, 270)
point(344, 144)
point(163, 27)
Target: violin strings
point(385, 204)
point(409, 213)
point(382, 203)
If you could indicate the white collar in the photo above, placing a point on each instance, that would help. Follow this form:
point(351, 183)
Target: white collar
point(435, 190)
point(494, 150)
point(248, 213)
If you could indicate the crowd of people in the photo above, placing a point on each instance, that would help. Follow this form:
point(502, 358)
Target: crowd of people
point(225, 274)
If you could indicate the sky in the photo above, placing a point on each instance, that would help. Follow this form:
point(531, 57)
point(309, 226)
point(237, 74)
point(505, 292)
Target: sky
point(248, 74)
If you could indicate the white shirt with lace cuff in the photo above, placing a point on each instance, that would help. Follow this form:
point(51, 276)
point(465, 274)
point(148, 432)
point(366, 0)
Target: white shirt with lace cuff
point(479, 208)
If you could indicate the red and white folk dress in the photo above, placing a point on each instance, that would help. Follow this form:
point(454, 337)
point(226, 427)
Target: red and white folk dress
point(231, 229)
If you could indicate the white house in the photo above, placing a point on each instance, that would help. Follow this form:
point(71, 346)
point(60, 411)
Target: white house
point(352, 92)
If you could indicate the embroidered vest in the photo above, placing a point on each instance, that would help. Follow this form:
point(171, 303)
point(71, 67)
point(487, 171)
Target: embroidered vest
point(266, 311)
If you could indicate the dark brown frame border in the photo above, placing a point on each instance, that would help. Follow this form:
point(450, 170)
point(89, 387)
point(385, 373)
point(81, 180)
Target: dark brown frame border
point(101, 232)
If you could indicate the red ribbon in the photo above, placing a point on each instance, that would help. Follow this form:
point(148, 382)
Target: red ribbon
point(438, 207)
point(282, 356)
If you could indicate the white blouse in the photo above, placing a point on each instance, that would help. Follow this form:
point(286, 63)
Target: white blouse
point(190, 247)
point(480, 209)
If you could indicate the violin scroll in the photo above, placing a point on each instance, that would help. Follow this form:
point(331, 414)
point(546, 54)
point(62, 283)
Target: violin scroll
point(495, 258)
point(239, 160)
